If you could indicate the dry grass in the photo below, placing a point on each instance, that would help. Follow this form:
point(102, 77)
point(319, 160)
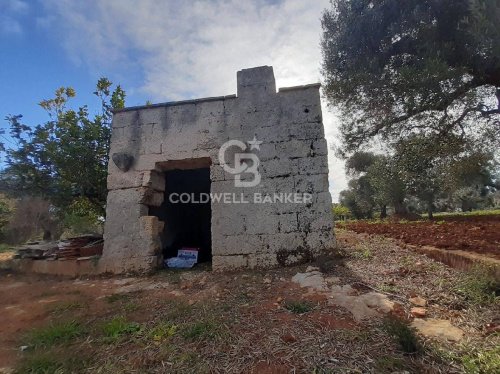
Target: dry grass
point(236, 323)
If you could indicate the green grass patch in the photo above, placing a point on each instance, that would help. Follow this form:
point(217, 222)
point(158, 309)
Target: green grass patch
point(388, 288)
point(118, 327)
point(298, 306)
point(131, 307)
point(485, 212)
point(403, 334)
point(363, 252)
point(162, 331)
point(482, 361)
point(479, 286)
point(55, 334)
point(201, 330)
point(5, 248)
point(178, 310)
point(117, 297)
point(48, 363)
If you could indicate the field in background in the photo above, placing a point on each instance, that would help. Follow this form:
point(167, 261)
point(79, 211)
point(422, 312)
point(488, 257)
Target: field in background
point(477, 232)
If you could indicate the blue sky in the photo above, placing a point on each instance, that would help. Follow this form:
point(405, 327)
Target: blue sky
point(157, 50)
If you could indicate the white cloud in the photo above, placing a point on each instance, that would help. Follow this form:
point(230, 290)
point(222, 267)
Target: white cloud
point(10, 11)
point(194, 48)
point(9, 25)
point(15, 6)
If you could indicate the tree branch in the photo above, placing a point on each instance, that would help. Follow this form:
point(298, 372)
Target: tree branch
point(487, 113)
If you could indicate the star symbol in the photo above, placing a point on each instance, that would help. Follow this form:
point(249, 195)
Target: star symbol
point(254, 143)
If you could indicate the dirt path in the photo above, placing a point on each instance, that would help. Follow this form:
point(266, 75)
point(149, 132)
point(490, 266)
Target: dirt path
point(253, 321)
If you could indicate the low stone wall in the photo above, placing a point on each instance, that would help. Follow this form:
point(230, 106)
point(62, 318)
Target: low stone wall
point(458, 259)
point(69, 268)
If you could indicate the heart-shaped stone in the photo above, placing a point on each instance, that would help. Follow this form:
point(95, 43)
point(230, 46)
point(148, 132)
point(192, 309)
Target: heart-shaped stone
point(122, 160)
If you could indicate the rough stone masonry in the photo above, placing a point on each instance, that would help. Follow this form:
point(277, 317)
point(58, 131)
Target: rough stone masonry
point(149, 140)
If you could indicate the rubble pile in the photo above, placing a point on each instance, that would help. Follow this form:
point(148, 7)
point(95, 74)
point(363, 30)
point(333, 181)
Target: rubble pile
point(72, 248)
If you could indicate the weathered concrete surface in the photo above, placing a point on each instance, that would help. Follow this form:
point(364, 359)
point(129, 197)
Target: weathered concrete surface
point(293, 159)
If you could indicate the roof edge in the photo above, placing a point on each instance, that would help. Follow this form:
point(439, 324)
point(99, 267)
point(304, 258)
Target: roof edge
point(174, 103)
point(207, 99)
point(303, 87)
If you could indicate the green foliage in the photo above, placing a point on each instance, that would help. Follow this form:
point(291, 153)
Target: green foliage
point(479, 285)
point(65, 159)
point(363, 252)
point(482, 361)
point(201, 330)
point(358, 198)
point(432, 168)
point(397, 68)
point(118, 327)
point(58, 333)
point(298, 306)
point(131, 307)
point(376, 183)
point(387, 184)
point(82, 217)
point(162, 331)
point(421, 168)
point(117, 297)
point(5, 213)
point(47, 363)
point(340, 212)
point(404, 334)
point(5, 248)
point(486, 212)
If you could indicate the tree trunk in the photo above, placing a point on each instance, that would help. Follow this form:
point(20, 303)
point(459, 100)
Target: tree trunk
point(383, 212)
point(400, 208)
point(430, 210)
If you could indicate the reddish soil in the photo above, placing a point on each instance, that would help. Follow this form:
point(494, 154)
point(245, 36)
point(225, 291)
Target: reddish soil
point(480, 234)
point(237, 322)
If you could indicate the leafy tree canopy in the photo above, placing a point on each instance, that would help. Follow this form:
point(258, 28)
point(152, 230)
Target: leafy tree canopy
point(65, 159)
point(396, 67)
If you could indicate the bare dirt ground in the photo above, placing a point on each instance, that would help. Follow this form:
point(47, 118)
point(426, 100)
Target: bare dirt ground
point(480, 234)
point(245, 322)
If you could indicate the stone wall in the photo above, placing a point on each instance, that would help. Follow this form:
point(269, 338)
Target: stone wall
point(293, 159)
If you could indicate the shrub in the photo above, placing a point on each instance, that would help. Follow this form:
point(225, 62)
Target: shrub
point(119, 326)
point(341, 212)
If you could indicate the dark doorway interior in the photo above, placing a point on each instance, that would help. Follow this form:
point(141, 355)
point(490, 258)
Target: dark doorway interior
point(186, 224)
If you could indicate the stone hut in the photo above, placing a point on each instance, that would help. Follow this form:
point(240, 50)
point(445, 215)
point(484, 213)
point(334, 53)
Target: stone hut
point(243, 178)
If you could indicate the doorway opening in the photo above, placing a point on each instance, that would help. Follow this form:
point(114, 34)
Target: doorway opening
point(187, 221)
